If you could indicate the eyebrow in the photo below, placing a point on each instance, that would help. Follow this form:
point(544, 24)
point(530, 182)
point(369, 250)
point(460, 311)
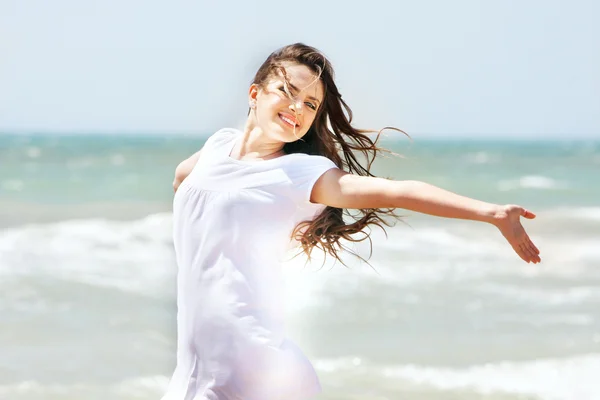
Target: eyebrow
point(309, 97)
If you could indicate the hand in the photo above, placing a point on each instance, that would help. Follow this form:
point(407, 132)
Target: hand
point(508, 220)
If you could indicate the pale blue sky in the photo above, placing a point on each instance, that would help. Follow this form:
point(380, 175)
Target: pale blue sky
point(485, 68)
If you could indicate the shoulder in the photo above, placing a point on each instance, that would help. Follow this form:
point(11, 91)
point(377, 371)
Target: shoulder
point(309, 161)
point(306, 168)
point(223, 135)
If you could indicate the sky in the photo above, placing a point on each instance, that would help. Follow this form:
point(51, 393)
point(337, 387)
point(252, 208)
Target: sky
point(527, 68)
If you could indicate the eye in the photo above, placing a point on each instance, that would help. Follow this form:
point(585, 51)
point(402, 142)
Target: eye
point(282, 89)
point(308, 104)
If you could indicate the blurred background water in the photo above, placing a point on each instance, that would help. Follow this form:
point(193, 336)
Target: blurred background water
point(448, 311)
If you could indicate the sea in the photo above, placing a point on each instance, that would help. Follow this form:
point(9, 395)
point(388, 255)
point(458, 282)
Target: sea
point(444, 309)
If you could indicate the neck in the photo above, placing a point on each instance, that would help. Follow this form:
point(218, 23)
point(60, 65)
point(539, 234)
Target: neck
point(256, 143)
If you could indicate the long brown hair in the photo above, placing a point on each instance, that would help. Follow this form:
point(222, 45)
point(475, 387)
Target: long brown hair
point(333, 136)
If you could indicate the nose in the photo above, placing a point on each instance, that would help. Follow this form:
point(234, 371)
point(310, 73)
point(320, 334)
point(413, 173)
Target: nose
point(296, 106)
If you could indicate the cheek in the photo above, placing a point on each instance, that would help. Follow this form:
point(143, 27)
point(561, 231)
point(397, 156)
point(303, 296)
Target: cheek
point(272, 101)
point(310, 119)
point(266, 108)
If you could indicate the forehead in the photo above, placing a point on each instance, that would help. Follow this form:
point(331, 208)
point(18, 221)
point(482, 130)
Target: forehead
point(302, 78)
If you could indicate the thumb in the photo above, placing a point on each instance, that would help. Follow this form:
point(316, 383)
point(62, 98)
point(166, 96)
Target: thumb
point(527, 214)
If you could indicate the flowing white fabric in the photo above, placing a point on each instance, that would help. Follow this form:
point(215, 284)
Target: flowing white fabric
point(232, 225)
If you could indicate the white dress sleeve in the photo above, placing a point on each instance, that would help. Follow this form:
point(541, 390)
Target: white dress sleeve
point(222, 137)
point(305, 173)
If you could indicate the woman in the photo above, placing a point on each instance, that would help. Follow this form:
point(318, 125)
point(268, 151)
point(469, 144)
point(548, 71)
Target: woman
point(247, 197)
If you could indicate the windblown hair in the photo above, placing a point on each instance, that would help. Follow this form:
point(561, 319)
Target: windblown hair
point(333, 136)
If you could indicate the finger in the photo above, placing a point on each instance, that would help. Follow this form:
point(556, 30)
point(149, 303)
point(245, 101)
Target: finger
point(538, 258)
point(535, 257)
point(534, 246)
point(525, 252)
point(521, 252)
point(532, 256)
point(527, 214)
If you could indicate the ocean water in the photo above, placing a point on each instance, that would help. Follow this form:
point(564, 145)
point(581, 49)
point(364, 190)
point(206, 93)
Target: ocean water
point(445, 311)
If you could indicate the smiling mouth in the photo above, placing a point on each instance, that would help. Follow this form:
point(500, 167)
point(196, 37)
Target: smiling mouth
point(289, 121)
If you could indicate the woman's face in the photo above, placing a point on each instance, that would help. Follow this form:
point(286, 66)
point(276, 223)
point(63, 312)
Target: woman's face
point(279, 116)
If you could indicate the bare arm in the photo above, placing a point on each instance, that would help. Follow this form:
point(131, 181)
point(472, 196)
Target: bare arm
point(342, 190)
point(339, 189)
point(184, 168)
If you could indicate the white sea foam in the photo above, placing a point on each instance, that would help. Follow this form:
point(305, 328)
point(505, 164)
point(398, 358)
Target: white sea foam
point(133, 255)
point(574, 378)
point(574, 220)
point(81, 162)
point(138, 255)
point(482, 157)
point(13, 185)
point(33, 152)
point(539, 296)
point(37, 390)
point(584, 213)
point(545, 321)
point(117, 159)
point(144, 387)
point(338, 364)
point(532, 182)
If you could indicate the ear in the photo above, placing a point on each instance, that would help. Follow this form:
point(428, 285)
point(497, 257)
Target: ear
point(253, 92)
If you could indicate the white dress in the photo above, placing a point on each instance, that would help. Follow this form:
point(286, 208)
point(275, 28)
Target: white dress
point(232, 225)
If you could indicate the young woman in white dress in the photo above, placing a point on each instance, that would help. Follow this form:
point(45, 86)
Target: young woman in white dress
point(247, 196)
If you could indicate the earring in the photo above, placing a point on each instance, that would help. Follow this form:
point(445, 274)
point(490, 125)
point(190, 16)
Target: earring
point(253, 104)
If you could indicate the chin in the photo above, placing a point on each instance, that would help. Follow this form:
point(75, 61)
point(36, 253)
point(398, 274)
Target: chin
point(286, 133)
point(292, 138)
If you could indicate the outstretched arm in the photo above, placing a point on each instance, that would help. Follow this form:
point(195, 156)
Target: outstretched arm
point(339, 189)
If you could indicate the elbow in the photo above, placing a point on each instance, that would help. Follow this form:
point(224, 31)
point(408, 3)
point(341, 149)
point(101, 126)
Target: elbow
point(180, 175)
point(404, 192)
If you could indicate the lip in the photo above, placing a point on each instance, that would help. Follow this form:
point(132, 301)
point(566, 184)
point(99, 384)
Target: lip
point(290, 117)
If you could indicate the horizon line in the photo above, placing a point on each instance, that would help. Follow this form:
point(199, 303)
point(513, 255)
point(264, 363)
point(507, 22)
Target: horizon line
point(424, 135)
